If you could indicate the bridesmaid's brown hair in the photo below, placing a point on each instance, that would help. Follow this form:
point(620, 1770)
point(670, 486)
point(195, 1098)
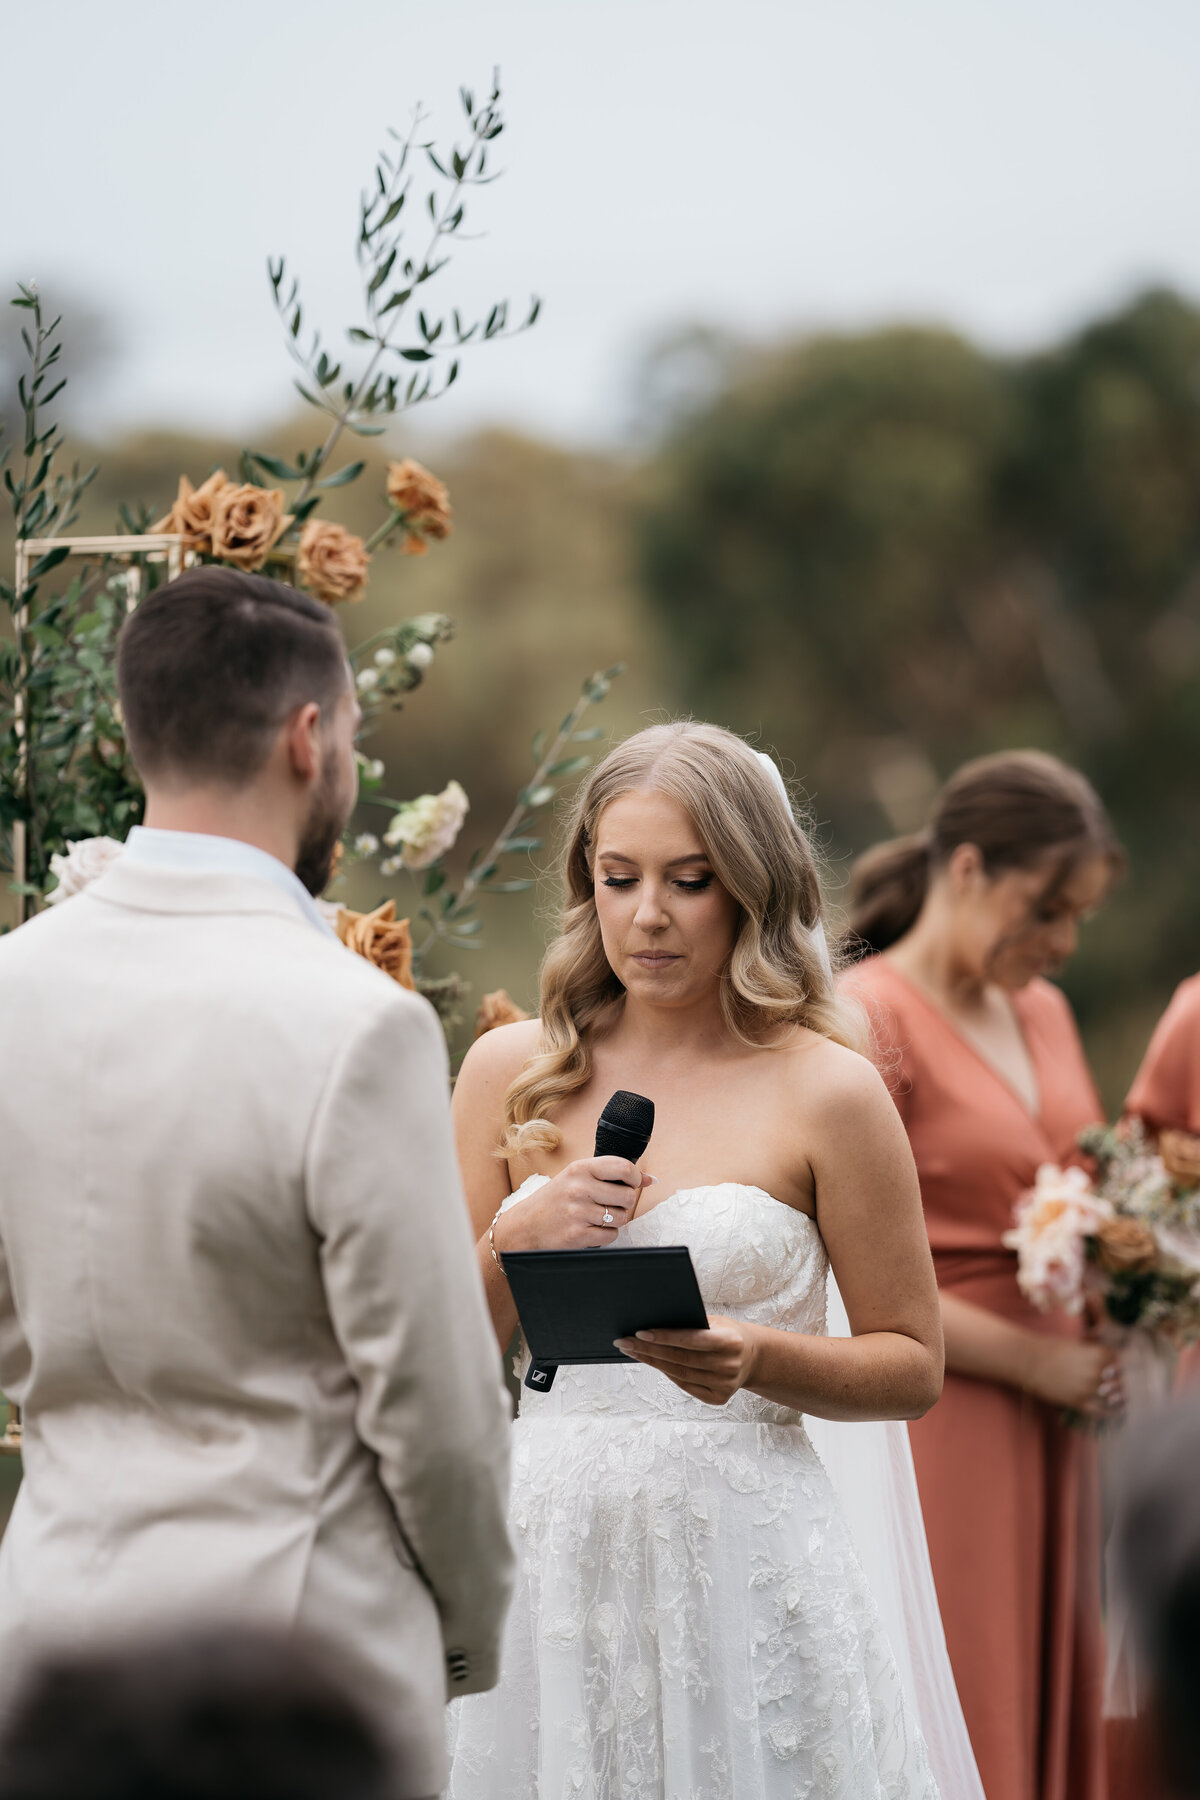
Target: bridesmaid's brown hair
point(1019, 808)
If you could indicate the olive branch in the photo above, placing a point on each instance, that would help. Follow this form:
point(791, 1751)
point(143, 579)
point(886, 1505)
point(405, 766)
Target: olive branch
point(391, 282)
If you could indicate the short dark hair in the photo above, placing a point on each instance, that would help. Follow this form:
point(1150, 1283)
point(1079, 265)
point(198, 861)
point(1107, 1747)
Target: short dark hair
point(213, 1715)
point(210, 666)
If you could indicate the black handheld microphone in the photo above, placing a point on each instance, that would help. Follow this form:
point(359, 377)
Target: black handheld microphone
point(623, 1129)
point(625, 1125)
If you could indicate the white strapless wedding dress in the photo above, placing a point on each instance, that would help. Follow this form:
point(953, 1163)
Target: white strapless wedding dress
point(691, 1619)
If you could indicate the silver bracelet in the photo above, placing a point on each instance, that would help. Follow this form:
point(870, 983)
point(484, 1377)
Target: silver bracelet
point(492, 1240)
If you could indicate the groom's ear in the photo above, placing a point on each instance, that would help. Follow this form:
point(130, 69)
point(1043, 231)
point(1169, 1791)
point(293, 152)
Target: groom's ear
point(302, 741)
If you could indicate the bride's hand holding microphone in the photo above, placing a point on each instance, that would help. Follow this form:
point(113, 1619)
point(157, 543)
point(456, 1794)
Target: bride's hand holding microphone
point(581, 1208)
point(585, 1205)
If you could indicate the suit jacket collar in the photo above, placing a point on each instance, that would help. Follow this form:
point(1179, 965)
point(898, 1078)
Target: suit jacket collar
point(146, 889)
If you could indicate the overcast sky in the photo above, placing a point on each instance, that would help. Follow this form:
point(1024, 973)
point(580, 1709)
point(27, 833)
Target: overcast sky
point(1010, 166)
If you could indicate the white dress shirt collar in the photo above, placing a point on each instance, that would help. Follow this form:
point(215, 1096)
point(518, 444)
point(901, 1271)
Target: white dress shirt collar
point(193, 851)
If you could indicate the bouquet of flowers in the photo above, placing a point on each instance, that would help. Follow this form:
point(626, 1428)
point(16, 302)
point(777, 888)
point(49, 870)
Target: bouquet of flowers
point(1127, 1237)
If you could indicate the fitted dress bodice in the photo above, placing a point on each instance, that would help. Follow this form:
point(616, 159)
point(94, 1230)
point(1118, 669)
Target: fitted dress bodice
point(691, 1621)
point(755, 1259)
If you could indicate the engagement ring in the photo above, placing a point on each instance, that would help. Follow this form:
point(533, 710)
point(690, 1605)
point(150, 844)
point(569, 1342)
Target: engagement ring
point(608, 1218)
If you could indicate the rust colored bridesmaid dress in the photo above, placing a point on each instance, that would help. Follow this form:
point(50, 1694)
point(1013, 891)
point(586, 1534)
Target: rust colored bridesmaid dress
point(1166, 1090)
point(1166, 1096)
point(1010, 1496)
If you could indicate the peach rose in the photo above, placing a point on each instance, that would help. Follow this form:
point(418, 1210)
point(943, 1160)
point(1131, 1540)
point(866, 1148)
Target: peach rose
point(1180, 1152)
point(497, 1009)
point(191, 517)
point(424, 501)
point(381, 938)
point(332, 562)
point(1127, 1247)
point(247, 521)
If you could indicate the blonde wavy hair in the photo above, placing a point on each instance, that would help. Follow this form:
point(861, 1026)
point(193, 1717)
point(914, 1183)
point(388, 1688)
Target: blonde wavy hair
point(776, 975)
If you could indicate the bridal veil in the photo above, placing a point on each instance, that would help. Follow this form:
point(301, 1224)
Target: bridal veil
point(871, 1466)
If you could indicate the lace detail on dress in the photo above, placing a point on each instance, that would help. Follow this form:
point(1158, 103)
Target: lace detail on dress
point(691, 1621)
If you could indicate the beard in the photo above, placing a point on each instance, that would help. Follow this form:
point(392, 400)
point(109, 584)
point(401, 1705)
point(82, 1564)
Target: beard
point(322, 833)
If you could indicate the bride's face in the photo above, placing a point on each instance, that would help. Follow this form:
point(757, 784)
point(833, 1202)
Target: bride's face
point(667, 924)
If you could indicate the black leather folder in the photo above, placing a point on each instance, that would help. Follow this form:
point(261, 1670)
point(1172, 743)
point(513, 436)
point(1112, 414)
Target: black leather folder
point(573, 1303)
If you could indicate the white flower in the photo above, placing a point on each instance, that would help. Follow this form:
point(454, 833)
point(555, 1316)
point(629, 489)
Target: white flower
point(367, 679)
point(425, 829)
point(370, 767)
point(366, 843)
point(85, 859)
point(420, 656)
point(385, 657)
point(391, 865)
point(1053, 1220)
point(1179, 1249)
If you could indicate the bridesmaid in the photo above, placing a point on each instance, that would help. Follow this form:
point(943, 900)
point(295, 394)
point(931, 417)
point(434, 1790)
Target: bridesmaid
point(1166, 1091)
point(984, 1062)
point(1166, 1096)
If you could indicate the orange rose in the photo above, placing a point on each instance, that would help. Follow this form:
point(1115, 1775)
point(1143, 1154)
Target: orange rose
point(1127, 1247)
point(497, 1009)
point(247, 521)
point(332, 562)
point(381, 938)
point(424, 501)
point(191, 517)
point(1180, 1152)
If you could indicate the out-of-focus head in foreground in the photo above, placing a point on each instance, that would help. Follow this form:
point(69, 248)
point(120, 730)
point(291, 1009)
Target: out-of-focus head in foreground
point(214, 1715)
point(1159, 1570)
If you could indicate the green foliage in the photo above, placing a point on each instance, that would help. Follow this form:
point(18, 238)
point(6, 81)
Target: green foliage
point(62, 766)
point(70, 757)
point(453, 919)
point(395, 263)
point(889, 553)
point(64, 770)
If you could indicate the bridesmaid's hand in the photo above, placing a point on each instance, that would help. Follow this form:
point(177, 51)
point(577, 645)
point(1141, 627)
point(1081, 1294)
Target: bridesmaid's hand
point(1083, 1377)
point(709, 1365)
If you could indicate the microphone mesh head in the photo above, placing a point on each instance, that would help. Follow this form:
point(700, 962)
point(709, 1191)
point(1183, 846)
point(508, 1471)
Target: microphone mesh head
point(630, 1112)
point(625, 1125)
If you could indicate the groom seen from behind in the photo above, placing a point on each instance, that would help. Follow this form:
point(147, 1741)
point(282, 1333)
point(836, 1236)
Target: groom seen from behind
point(239, 1302)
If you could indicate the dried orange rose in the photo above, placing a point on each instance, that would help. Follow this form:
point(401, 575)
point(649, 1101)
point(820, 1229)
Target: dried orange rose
point(497, 1009)
point(1180, 1152)
point(381, 938)
point(191, 516)
point(332, 562)
point(1127, 1247)
point(424, 501)
point(247, 521)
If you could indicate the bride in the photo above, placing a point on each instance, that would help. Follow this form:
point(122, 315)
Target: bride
point(691, 1620)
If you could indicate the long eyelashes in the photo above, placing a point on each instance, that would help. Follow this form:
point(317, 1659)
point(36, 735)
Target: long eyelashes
point(688, 887)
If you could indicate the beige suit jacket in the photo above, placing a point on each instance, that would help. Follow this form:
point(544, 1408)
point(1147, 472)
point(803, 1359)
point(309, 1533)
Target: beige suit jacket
point(239, 1301)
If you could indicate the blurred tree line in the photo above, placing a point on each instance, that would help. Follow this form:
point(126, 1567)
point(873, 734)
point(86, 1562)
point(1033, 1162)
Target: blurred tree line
point(887, 553)
point(878, 554)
